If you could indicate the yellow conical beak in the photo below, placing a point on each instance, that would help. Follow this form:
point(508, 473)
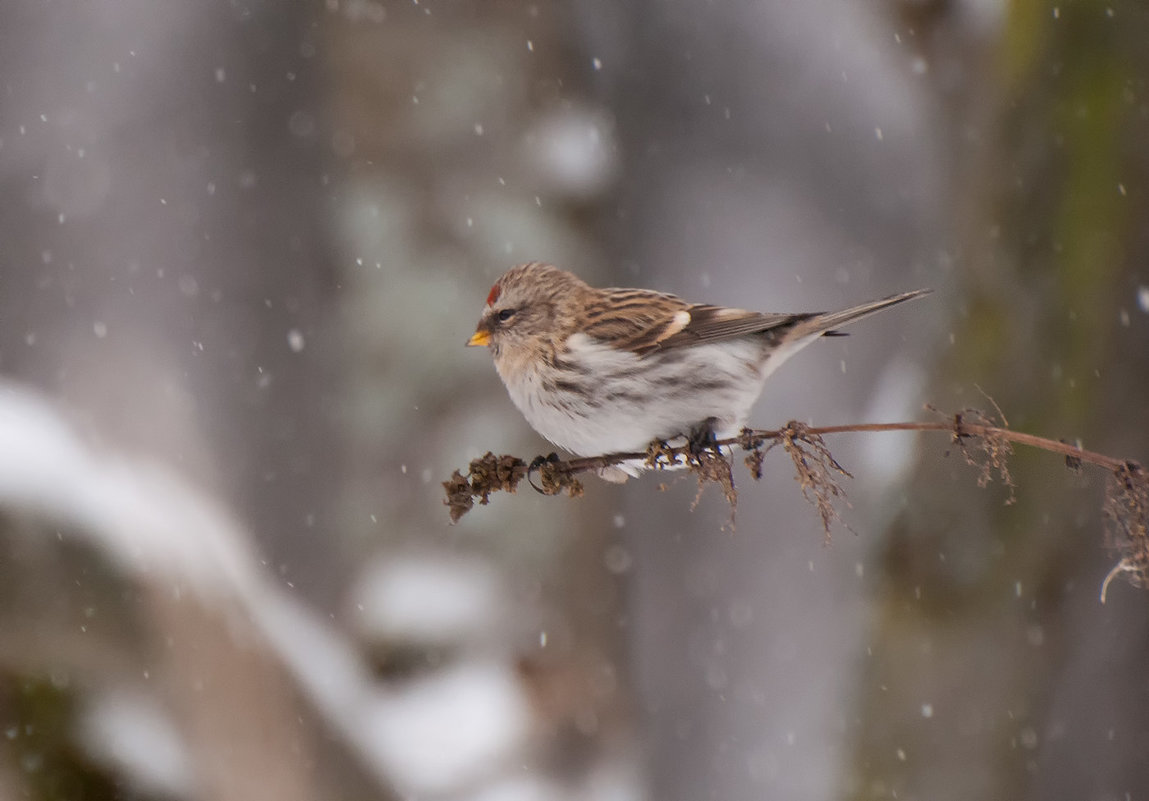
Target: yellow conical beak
point(479, 338)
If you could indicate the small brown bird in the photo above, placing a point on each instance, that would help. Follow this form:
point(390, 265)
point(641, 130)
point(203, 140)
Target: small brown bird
point(599, 371)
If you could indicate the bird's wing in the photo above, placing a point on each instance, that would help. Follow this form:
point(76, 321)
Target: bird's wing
point(642, 321)
point(715, 323)
point(634, 320)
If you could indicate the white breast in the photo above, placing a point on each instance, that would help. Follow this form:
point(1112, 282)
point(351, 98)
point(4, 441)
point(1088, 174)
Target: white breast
point(609, 400)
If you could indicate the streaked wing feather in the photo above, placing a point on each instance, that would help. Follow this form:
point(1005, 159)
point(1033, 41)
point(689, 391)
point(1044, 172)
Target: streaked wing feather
point(635, 319)
point(643, 321)
point(716, 323)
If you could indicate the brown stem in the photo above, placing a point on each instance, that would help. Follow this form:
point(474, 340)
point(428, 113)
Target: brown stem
point(957, 426)
point(1126, 506)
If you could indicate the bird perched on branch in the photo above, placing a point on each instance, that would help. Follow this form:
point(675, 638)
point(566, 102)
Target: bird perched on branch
point(599, 371)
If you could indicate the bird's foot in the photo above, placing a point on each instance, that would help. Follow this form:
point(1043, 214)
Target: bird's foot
point(701, 440)
point(537, 463)
point(660, 454)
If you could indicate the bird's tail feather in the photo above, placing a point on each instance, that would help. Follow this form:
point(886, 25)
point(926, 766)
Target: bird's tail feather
point(826, 324)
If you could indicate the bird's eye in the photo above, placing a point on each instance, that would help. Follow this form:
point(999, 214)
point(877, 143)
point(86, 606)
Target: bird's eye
point(504, 315)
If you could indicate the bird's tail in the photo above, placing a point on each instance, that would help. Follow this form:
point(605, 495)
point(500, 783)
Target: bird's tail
point(814, 326)
point(827, 323)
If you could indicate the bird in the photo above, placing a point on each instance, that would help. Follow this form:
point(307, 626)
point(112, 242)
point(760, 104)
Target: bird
point(601, 371)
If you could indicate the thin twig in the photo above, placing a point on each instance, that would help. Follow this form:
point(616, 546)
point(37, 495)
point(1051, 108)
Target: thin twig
point(964, 428)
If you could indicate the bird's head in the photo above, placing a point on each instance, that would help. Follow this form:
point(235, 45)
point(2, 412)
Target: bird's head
point(529, 310)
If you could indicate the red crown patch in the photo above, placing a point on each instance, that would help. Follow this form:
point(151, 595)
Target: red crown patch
point(494, 295)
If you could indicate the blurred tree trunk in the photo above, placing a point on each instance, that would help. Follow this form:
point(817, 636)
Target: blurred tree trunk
point(442, 120)
point(994, 672)
point(777, 159)
point(164, 262)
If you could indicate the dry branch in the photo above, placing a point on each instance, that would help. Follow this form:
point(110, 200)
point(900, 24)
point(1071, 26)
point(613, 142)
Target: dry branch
point(983, 444)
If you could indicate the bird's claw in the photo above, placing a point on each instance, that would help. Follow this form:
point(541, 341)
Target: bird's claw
point(537, 463)
point(660, 454)
point(701, 440)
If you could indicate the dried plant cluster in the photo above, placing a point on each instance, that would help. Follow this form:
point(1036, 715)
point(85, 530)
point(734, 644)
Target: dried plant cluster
point(1126, 511)
point(815, 468)
point(985, 442)
point(987, 451)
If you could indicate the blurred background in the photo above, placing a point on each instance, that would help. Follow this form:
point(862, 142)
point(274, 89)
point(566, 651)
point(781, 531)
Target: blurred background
point(242, 245)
